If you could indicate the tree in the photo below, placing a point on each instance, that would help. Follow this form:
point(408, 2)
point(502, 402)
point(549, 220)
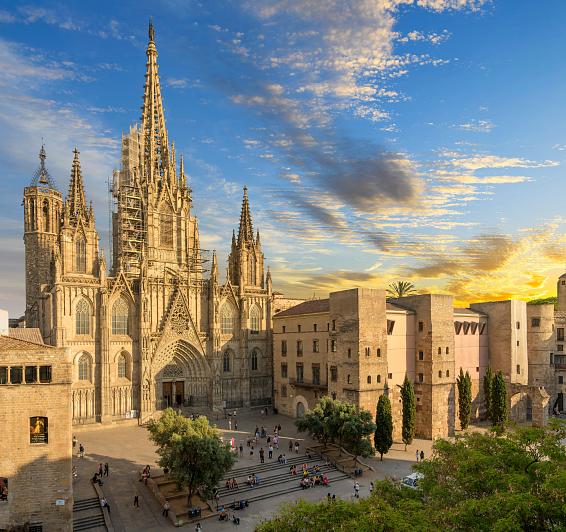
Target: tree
point(192, 451)
point(401, 289)
point(334, 421)
point(475, 482)
point(409, 412)
point(383, 437)
point(488, 392)
point(464, 383)
point(499, 401)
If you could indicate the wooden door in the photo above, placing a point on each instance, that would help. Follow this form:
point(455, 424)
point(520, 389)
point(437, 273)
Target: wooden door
point(168, 393)
point(179, 392)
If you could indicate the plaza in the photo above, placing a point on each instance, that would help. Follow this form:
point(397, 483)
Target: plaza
point(127, 450)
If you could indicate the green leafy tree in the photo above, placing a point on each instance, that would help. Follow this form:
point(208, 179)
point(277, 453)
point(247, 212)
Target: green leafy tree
point(401, 289)
point(475, 482)
point(499, 401)
point(192, 450)
point(409, 412)
point(383, 437)
point(488, 392)
point(464, 383)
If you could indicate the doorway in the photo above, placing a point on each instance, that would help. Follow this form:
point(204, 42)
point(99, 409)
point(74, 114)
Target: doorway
point(174, 393)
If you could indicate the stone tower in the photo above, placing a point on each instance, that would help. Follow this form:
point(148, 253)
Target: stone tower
point(561, 293)
point(43, 204)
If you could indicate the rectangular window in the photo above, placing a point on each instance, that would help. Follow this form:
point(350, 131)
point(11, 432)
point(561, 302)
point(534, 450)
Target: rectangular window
point(440, 374)
point(299, 328)
point(31, 374)
point(333, 346)
point(518, 343)
point(518, 325)
point(283, 390)
point(38, 430)
point(518, 369)
point(328, 326)
point(447, 350)
point(300, 374)
point(390, 327)
point(535, 322)
point(333, 373)
point(16, 374)
point(299, 348)
point(316, 374)
point(390, 376)
point(421, 326)
point(315, 327)
point(421, 377)
point(283, 328)
point(368, 351)
point(315, 347)
point(44, 374)
point(421, 355)
point(3, 375)
point(551, 359)
point(284, 348)
point(283, 370)
point(560, 334)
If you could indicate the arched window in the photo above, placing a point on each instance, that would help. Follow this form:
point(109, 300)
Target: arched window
point(120, 317)
point(255, 320)
point(226, 320)
point(122, 366)
point(369, 379)
point(32, 214)
point(166, 229)
point(80, 255)
point(85, 367)
point(47, 225)
point(82, 317)
point(254, 359)
point(226, 362)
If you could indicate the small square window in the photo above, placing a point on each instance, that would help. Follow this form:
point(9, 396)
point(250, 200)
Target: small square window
point(333, 373)
point(16, 375)
point(535, 322)
point(369, 379)
point(440, 350)
point(560, 347)
point(31, 374)
point(448, 373)
point(379, 378)
point(348, 379)
point(518, 369)
point(421, 355)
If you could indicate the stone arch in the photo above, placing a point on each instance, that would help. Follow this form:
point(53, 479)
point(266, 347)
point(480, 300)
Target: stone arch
point(297, 402)
point(123, 360)
point(84, 364)
point(255, 319)
point(227, 317)
point(120, 316)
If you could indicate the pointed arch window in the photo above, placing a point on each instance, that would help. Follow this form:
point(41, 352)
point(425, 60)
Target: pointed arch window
point(120, 314)
point(82, 317)
point(254, 359)
point(251, 269)
point(227, 320)
point(255, 320)
point(80, 255)
point(85, 367)
point(226, 362)
point(46, 217)
point(166, 229)
point(122, 366)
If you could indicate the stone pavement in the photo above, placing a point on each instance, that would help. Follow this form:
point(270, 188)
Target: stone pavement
point(127, 449)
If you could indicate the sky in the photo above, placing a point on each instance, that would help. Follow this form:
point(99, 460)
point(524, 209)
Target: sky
point(381, 140)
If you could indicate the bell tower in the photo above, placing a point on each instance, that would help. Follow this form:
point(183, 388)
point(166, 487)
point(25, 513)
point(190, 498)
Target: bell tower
point(43, 205)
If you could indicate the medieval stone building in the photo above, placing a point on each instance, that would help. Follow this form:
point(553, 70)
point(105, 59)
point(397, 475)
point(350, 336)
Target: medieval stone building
point(160, 329)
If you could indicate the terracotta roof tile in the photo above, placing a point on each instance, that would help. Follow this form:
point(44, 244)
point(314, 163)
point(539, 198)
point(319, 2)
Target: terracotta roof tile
point(7, 343)
point(313, 306)
point(29, 334)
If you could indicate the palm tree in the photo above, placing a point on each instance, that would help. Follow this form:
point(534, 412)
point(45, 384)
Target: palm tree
point(401, 289)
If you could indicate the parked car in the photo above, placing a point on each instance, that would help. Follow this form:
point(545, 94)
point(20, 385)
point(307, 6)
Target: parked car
point(411, 481)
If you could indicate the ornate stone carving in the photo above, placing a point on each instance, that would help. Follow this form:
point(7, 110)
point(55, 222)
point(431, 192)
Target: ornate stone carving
point(172, 371)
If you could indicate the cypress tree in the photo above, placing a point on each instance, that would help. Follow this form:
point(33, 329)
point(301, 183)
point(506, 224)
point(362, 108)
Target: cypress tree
point(409, 412)
point(488, 392)
point(383, 438)
point(499, 401)
point(464, 383)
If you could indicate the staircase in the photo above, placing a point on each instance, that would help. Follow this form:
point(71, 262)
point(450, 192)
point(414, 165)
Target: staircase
point(87, 515)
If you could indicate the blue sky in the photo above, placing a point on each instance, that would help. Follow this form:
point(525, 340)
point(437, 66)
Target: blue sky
point(380, 139)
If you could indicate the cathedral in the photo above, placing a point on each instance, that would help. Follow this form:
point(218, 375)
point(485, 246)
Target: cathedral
point(160, 329)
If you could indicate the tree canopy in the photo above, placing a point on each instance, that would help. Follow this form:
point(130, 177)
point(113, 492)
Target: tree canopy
point(477, 482)
point(401, 289)
point(334, 421)
point(464, 383)
point(409, 411)
point(499, 401)
point(192, 450)
point(383, 437)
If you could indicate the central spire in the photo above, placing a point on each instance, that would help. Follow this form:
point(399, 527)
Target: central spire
point(156, 144)
point(75, 202)
point(246, 232)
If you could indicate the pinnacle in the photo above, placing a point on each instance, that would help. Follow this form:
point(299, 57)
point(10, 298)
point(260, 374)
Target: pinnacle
point(246, 232)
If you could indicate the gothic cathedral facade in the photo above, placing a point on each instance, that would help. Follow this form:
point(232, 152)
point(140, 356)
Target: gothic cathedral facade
point(160, 329)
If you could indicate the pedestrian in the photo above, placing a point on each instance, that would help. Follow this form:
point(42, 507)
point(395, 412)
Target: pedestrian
point(74, 441)
point(371, 487)
point(100, 469)
point(229, 424)
point(165, 511)
point(297, 447)
point(104, 504)
point(262, 455)
point(422, 456)
point(417, 454)
point(241, 449)
point(81, 451)
point(270, 451)
point(357, 490)
point(136, 501)
point(198, 528)
point(235, 424)
point(276, 441)
point(278, 428)
point(106, 469)
point(290, 446)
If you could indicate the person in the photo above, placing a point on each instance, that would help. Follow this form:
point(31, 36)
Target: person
point(100, 470)
point(422, 455)
point(417, 454)
point(96, 480)
point(234, 484)
point(241, 449)
point(75, 472)
point(334, 496)
point(136, 501)
point(106, 467)
point(371, 487)
point(235, 520)
point(165, 511)
point(284, 459)
point(81, 451)
point(198, 528)
point(249, 482)
point(270, 452)
point(74, 441)
point(262, 455)
point(316, 468)
point(304, 483)
point(325, 481)
point(104, 504)
point(276, 441)
point(235, 424)
point(229, 424)
point(357, 490)
point(228, 484)
point(297, 447)
point(290, 446)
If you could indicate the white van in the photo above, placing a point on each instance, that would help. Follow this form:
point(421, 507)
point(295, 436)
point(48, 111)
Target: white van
point(411, 481)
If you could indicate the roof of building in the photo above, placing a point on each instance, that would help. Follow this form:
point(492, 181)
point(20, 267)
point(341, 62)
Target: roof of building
point(468, 311)
point(29, 334)
point(313, 306)
point(7, 343)
point(395, 306)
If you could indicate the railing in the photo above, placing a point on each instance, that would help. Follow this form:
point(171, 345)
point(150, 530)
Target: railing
point(560, 361)
point(308, 384)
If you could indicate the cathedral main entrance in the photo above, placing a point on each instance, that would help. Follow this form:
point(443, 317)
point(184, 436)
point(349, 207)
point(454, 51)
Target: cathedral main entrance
point(174, 393)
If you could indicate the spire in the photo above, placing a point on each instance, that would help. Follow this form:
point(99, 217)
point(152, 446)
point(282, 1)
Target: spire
point(156, 144)
point(182, 176)
point(41, 176)
point(75, 202)
point(214, 268)
point(257, 238)
point(246, 232)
